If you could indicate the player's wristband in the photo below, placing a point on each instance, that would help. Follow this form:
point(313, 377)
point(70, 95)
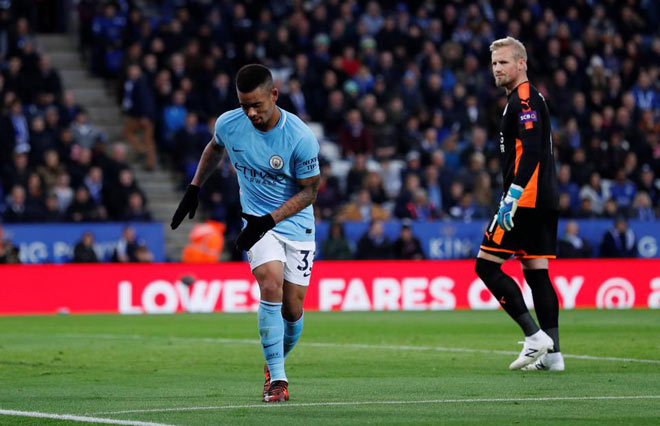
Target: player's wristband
point(514, 193)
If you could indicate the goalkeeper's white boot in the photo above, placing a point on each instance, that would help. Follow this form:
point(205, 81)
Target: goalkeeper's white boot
point(552, 361)
point(534, 347)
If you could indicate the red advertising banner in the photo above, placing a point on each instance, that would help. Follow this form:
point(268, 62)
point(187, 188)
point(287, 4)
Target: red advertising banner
point(345, 286)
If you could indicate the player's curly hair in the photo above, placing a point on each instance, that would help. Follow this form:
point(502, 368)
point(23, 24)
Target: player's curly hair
point(251, 76)
point(517, 48)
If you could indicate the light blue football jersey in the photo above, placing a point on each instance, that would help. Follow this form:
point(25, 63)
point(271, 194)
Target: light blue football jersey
point(268, 165)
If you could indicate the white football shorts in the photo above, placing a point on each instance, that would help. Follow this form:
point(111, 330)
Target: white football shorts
point(297, 256)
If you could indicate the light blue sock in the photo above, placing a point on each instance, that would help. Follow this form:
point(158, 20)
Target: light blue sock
point(271, 331)
point(292, 332)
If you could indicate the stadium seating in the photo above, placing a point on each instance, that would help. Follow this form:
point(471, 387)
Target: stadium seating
point(406, 84)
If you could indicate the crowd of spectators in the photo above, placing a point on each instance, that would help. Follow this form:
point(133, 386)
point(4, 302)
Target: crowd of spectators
point(618, 241)
point(399, 93)
point(54, 163)
point(408, 114)
point(373, 244)
point(129, 248)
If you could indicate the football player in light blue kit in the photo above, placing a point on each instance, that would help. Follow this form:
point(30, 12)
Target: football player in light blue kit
point(275, 156)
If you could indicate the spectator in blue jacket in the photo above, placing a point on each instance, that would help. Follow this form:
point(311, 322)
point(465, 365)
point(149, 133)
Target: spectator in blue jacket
point(107, 30)
point(565, 185)
point(174, 117)
point(623, 191)
point(646, 96)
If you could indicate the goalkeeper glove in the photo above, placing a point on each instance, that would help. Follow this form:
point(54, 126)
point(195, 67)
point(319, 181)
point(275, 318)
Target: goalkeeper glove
point(187, 205)
point(256, 228)
point(508, 207)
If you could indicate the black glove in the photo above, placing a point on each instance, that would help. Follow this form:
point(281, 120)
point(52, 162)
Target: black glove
point(187, 205)
point(256, 227)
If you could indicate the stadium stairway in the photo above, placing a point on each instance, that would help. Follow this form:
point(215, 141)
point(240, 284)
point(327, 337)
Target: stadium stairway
point(96, 97)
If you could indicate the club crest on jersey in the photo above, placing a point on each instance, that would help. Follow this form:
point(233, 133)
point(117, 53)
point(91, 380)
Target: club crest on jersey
point(276, 162)
point(528, 116)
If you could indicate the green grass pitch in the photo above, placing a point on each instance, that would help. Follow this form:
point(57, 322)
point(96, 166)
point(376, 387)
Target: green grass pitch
point(349, 368)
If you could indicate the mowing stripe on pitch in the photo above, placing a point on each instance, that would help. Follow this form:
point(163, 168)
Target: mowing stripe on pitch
point(77, 418)
point(351, 346)
point(358, 403)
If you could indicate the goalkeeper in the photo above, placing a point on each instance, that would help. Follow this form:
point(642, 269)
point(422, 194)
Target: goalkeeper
point(525, 225)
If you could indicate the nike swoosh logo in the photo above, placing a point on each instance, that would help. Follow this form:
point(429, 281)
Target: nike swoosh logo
point(268, 346)
point(531, 353)
point(236, 150)
point(307, 274)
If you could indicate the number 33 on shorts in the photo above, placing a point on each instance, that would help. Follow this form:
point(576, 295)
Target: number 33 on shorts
point(306, 266)
point(297, 256)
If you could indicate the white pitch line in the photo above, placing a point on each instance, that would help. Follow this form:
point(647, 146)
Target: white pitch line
point(355, 346)
point(469, 350)
point(76, 418)
point(357, 403)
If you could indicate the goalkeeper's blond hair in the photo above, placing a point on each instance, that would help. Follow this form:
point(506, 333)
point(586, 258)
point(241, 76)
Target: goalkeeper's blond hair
point(517, 48)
